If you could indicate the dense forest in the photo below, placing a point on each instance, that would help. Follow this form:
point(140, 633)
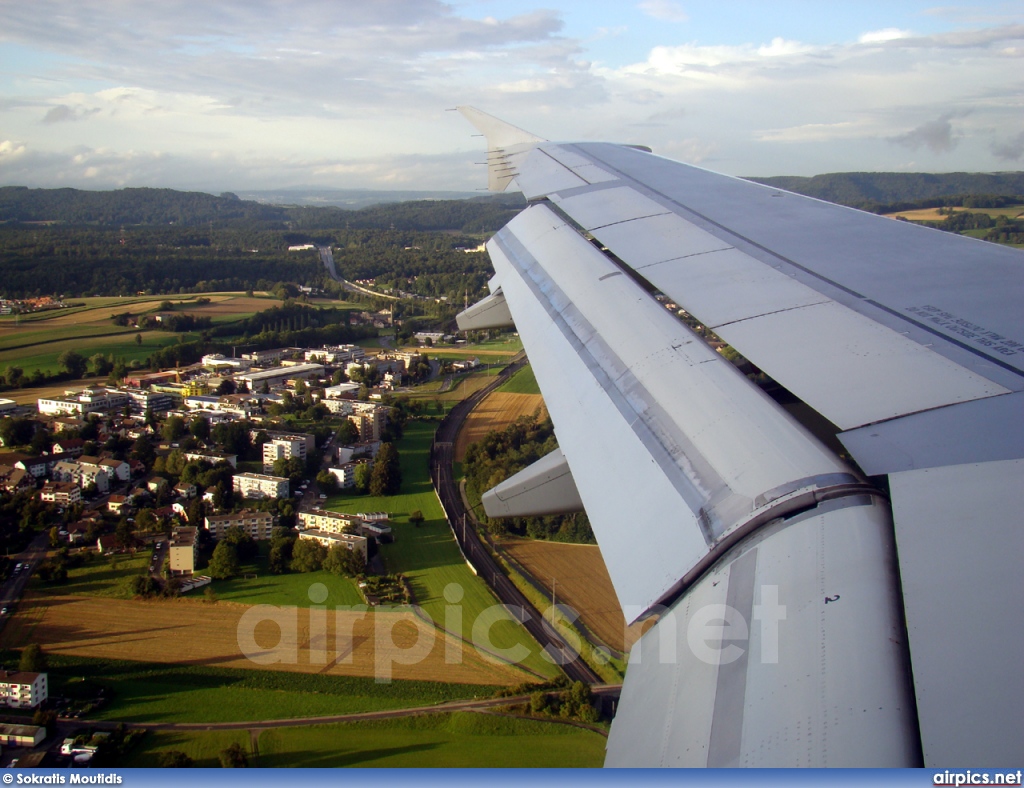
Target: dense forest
point(76, 243)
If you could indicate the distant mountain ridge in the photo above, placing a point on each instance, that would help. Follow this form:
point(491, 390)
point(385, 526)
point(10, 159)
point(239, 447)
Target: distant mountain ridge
point(147, 206)
point(868, 189)
point(351, 199)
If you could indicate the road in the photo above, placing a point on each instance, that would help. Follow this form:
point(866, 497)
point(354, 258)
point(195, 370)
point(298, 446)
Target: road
point(12, 590)
point(441, 459)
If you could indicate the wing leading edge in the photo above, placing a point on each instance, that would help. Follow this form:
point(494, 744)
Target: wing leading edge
point(782, 634)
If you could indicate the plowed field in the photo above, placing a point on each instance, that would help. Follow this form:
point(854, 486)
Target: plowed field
point(225, 635)
point(496, 412)
point(581, 581)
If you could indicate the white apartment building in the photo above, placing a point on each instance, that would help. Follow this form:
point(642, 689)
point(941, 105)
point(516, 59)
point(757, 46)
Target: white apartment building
point(23, 690)
point(259, 485)
point(329, 522)
point(258, 525)
point(328, 540)
point(182, 550)
point(286, 446)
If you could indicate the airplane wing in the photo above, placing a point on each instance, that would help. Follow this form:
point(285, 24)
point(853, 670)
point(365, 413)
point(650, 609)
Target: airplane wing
point(818, 602)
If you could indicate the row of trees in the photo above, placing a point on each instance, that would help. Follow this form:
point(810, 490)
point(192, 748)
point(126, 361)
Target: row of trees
point(503, 453)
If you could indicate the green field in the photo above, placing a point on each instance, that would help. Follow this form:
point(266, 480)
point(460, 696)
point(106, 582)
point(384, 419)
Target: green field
point(428, 556)
point(122, 346)
point(462, 739)
point(523, 382)
point(256, 586)
point(147, 692)
point(104, 576)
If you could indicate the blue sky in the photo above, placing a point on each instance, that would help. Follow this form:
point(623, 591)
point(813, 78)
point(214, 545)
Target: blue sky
point(248, 94)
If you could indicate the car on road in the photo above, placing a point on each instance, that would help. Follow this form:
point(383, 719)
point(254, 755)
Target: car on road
point(3, 612)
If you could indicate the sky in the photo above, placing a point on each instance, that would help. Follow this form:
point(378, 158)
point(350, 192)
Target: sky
point(269, 94)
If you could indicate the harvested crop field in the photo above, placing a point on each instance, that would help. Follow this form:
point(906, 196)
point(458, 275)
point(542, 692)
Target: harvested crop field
point(581, 581)
point(184, 632)
point(496, 412)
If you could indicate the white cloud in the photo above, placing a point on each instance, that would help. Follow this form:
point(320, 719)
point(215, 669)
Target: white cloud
point(665, 10)
point(880, 36)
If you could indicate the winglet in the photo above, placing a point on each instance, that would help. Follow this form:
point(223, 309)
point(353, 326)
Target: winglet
point(504, 141)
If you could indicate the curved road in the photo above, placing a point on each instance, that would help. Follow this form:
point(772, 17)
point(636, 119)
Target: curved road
point(441, 459)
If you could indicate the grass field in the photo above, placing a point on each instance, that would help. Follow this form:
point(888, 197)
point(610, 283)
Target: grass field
point(428, 556)
point(148, 692)
point(462, 739)
point(101, 576)
point(523, 382)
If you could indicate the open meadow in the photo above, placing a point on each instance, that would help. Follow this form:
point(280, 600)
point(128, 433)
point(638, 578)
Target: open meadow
point(462, 739)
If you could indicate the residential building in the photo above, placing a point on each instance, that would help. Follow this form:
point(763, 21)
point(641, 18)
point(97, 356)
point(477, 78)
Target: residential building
point(118, 470)
point(259, 485)
point(256, 524)
point(22, 690)
point(213, 457)
point(185, 489)
point(328, 540)
point(69, 447)
point(182, 550)
point(329, 522)
point(369, 419)
point(346, 473)
point(284, 446)
point(7, 406)
point(61, 493)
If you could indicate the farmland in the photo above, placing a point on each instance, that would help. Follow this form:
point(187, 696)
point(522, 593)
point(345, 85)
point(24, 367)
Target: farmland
point(498, 410)
point(581, 581)
point(35, 340)
point(438, 740)
point(187, 632)
point(933, 214)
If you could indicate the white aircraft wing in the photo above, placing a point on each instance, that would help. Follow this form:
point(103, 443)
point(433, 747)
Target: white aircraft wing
point(806, 614)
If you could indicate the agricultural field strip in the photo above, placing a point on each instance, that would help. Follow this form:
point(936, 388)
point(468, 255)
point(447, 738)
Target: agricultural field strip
point(446, 707)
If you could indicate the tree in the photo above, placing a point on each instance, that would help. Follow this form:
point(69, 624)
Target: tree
point(73, 363)
point(342, 561)
point(200, 428)
point(55, 539)
point(307, 555)
point(416, 518)
point(174, 428)
point(16, 432)
point(138, 339)
point(32, 660)
point(210, 596)
point(361, 477)
point(227, 386)
point(386, 477)
point(224, 561)
point(327, 481)
point(234, 757)
point(174, 759)
point(347, 433)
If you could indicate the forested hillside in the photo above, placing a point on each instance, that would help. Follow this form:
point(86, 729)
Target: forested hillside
point(193, 209)
point(867, 190)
